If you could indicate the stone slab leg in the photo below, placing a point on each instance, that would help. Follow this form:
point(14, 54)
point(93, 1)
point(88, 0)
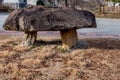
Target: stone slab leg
point(29, 38)
point(69, 38)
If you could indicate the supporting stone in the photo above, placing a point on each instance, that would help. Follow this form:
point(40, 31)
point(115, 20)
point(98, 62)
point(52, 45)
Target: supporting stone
point(29, 38)
point(69, 38)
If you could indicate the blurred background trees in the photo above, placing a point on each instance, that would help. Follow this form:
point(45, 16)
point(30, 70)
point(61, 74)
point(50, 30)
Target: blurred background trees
point(99, 6)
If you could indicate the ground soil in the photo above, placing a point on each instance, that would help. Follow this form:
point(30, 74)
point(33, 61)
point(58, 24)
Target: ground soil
point(46, 60)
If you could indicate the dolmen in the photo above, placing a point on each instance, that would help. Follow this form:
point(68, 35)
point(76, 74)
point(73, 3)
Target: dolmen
point(32, 19)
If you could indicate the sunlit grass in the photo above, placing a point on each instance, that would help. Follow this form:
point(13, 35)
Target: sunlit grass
point(47, 60)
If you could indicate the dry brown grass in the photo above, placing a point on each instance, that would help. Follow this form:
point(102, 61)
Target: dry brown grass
point(46, 60)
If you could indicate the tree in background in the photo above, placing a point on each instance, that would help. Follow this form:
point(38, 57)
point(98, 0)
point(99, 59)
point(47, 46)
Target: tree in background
point(116, 6)
point(66, 3)
point(40, 2)
point(82, 4)
point(113, 0)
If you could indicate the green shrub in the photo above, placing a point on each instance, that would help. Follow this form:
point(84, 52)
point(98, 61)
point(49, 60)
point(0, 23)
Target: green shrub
point(40, 2)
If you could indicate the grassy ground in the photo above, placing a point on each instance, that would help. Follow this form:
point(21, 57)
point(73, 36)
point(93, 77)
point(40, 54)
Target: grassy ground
point(46, 60)
point(112, 15)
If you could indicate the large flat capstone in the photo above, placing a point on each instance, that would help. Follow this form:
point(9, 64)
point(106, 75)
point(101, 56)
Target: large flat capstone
point(38, 18)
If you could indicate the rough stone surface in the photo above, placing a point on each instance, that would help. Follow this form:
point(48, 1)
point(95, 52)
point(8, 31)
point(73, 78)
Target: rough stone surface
point(69, 38)
point(38, 18)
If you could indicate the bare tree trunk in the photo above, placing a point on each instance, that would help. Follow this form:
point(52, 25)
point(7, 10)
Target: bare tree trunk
point(66, 3)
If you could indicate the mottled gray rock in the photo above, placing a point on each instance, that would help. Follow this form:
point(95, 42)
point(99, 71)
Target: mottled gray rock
point(39, 18)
